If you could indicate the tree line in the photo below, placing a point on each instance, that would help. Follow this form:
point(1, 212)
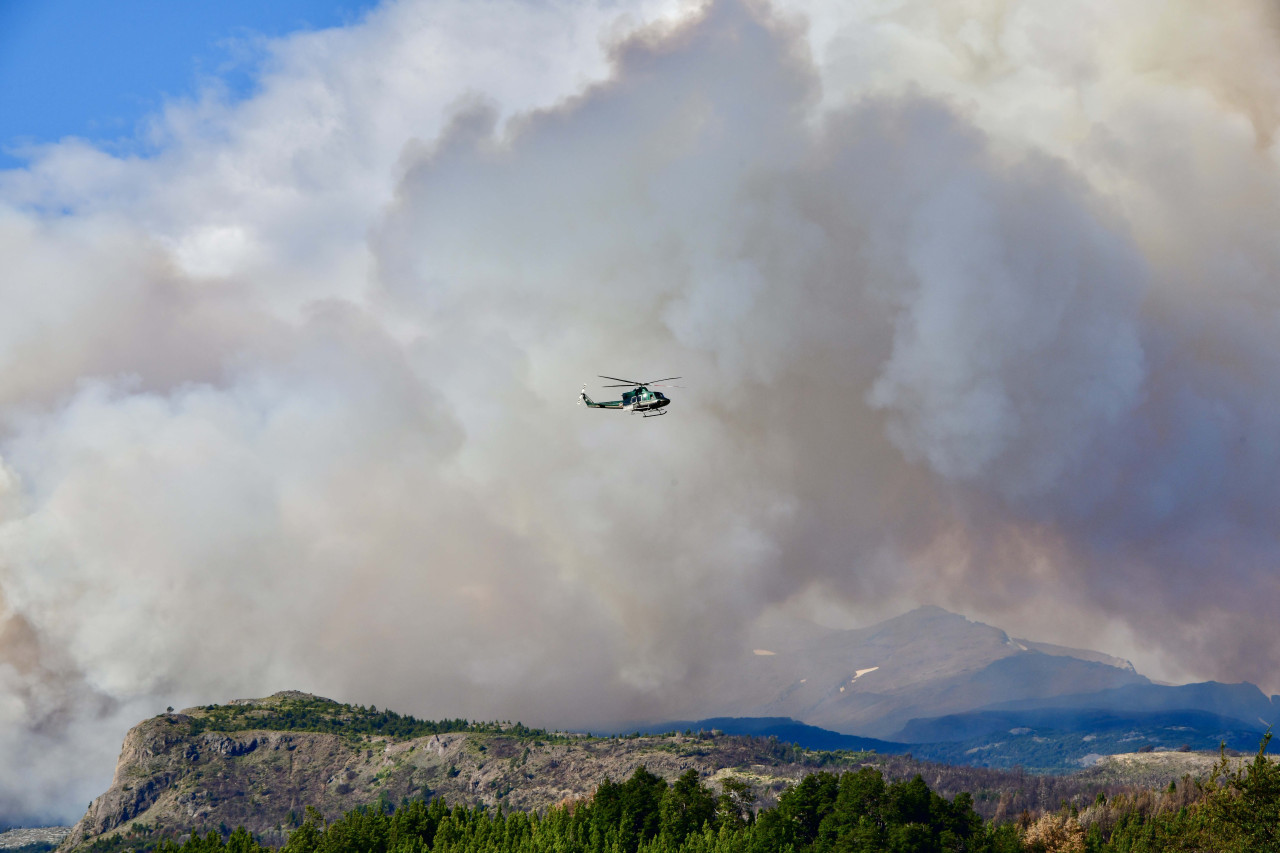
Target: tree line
point(349, 720)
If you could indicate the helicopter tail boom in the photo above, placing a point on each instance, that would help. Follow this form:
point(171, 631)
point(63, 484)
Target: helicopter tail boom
point(584, 400)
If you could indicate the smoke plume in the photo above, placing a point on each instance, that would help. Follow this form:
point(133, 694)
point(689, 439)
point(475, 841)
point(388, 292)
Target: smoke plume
point(976, 305)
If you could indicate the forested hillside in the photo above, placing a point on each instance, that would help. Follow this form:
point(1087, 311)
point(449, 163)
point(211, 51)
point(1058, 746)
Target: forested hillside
point(857, 811)
point(305, 773)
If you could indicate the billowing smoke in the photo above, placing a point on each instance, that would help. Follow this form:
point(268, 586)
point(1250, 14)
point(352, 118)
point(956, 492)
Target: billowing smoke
point(976, 303)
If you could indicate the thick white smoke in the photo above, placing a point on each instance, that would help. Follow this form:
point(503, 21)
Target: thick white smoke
point(976, 303)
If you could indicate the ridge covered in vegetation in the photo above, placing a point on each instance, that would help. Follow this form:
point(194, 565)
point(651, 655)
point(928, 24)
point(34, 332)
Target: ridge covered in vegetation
point(858, 811)
point(291, 711)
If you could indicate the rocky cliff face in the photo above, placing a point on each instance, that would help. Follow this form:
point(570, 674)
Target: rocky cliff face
point(261, 763)
point(173, 776)
point(166, 778)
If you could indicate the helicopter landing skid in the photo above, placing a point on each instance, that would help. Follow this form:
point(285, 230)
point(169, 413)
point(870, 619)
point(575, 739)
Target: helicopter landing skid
point(654, 414)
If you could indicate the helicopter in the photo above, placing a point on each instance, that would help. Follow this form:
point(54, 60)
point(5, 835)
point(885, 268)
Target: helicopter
point(648, 403)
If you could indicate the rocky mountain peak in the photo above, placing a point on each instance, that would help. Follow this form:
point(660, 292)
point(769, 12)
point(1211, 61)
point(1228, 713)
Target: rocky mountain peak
point(927, 661)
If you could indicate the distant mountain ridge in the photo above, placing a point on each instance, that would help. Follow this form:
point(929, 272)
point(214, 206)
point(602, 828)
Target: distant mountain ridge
point(927, 662)
point(1242, 701)
point(783, 728)
point(1081, 654)
point(955, 690)
point(1042, 741)
point(979, 724)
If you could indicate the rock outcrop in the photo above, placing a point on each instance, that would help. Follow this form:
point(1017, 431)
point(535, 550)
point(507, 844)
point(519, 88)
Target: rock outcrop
point(174, 776)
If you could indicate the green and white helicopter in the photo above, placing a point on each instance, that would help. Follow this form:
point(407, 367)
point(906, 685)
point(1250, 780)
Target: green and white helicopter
point(640, 399)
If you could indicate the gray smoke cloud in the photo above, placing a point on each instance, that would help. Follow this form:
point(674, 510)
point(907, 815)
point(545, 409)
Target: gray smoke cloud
point(976, 304)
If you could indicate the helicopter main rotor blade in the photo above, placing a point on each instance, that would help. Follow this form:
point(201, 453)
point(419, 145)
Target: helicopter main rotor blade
point(656, 381)
point(628, 385)
point(618, 379)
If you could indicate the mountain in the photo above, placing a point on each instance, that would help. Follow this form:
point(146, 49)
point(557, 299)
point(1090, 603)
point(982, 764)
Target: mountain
point(928, 662)
point(953, 690)
point(942, 686)
point(260, 763)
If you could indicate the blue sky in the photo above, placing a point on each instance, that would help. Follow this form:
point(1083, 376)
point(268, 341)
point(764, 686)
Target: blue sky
point(95, 68)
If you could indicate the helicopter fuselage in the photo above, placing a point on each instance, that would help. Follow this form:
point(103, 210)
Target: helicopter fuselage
point(644, 400)
point(648, 403)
